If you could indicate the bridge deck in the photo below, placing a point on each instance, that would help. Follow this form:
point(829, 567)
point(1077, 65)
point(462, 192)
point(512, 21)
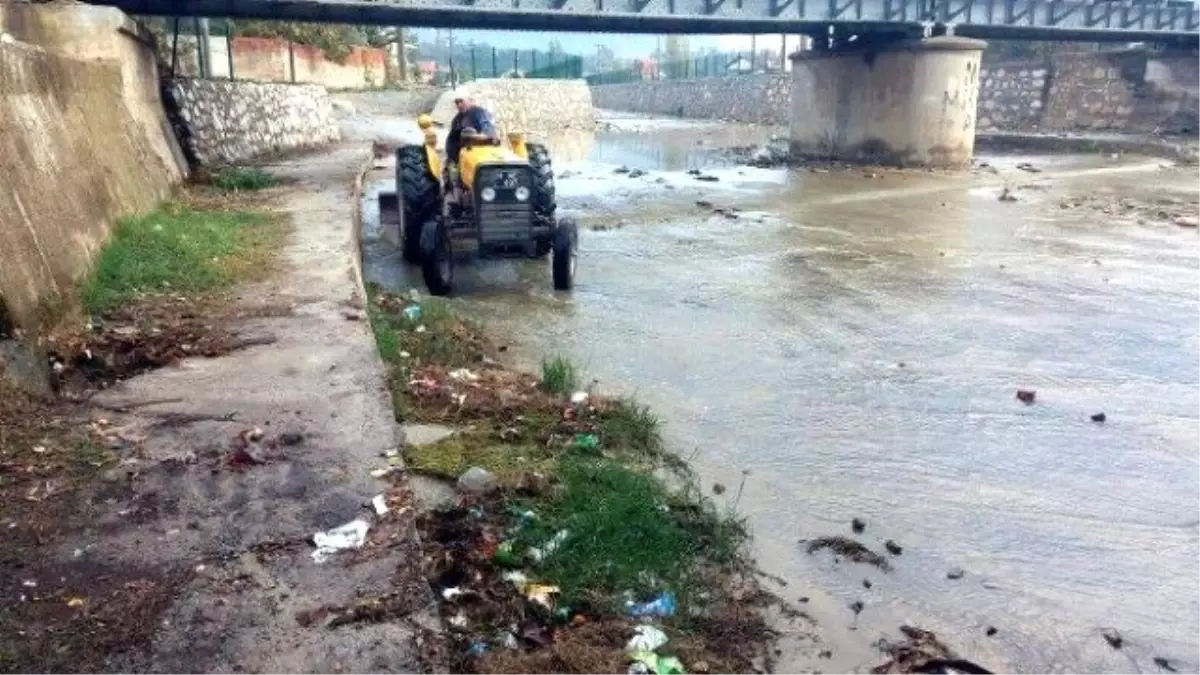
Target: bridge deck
point(1175, 23)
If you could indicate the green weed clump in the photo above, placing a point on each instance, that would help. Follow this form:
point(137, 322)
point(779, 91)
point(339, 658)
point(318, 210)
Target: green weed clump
point(242, 179)
point(180, 249)
point(559, 376)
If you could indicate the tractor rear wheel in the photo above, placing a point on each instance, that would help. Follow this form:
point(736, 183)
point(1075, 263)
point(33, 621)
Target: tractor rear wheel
point(420, 197)
point(437, 257)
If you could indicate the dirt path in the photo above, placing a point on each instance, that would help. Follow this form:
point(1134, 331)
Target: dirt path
point(227, 580)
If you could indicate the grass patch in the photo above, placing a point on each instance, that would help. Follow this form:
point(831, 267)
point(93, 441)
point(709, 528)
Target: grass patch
point(627, 533)
point(242, 179)
point(559, 376)
point(628, 424)
point(180, 249)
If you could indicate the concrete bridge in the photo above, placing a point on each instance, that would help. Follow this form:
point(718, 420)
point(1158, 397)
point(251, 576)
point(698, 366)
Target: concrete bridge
point(1164, 21)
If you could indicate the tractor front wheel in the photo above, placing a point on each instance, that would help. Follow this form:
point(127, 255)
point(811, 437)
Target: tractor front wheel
point(420, 197)
point(437, 257)
point(566, 252)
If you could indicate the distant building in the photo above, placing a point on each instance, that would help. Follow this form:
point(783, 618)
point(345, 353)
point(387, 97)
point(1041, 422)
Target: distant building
point(426, 70)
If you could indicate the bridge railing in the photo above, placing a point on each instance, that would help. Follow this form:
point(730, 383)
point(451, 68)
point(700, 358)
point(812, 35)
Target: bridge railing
point(721, 64)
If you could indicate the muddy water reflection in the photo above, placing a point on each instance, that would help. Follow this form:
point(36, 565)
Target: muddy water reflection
point(858, 354)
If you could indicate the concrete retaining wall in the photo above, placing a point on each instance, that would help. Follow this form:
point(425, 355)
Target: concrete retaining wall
point(761, 99)
point(83, 141)
point(531, 106)
point(271, 60)
point(230, 122)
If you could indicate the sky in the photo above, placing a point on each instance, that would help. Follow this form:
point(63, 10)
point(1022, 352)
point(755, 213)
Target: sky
point(623, 45)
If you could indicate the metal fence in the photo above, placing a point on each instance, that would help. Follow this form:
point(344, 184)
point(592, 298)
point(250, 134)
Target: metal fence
point(487, 62)
point(722, 64)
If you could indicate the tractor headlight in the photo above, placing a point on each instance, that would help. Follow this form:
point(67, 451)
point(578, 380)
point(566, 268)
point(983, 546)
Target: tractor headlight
point(522, 193)
point(487, 194)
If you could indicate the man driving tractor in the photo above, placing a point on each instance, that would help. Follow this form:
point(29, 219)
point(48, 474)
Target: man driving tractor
point(471, 124)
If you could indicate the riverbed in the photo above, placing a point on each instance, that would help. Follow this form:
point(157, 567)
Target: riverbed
point(833, 343)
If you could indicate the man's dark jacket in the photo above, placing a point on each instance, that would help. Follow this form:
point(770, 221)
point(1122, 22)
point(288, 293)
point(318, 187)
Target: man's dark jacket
point(474, 117)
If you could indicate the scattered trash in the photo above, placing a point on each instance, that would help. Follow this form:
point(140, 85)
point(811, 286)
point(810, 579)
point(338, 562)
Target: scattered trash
point(858, 524)
point(1007, 195)
point(866, 583)
point(646, 639)
point(29, 583)
point(458, 621)
point(579, 398)
point(892, 547)
point(662, 605)
point(39, 449)
point(1026, 166)
point(412, 312)
point(922, 652)
point(384, 472)
point(955, 573)
point(451, 593)
point(351, 535)
point(76, 602)
point(1164, 664)
point(506, 557)
point(636, 173)
point(546, 550)
point(464, 375)
point(1113, 638)
point(851, 549)
point(475, 479)
point(707, 178)
point(586, 442)
point(477, 648)
point(718, 489)
point(1099, 418)
point(380, 504)
point(419, 329)
point(1026, 396)
point(649, 662)
point(1188, 221)
point(991, 630)
point(291, 438)
point(539, 593)
point(857, 607)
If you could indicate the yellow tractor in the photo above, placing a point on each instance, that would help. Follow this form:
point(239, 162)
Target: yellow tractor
point(504, 207)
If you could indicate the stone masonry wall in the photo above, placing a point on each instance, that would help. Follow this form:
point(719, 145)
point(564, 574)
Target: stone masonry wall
point(1011, 95)
point(229, 122)
point(532, 106)
point(759, 99)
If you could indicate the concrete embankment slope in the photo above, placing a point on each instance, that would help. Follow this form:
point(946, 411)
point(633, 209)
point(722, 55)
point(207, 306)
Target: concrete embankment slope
point(531, 106)
point(83, 141)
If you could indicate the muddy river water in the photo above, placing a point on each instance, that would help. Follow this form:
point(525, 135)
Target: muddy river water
point(850, 346)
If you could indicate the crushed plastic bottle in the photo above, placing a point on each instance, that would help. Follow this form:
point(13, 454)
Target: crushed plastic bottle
point(663, 605)
point(540, 553)
point(412, 312)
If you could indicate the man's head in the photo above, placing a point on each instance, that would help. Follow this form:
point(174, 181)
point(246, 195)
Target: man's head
point(462, 103)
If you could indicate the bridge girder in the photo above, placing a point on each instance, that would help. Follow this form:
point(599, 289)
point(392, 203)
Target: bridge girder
point(1066, 20)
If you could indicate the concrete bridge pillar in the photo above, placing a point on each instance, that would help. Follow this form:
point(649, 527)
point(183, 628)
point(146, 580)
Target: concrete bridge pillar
point(907, 103)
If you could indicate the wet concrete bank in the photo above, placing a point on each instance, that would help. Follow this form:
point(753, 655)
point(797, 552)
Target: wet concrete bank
point(850, 342)
point(1180, 148)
